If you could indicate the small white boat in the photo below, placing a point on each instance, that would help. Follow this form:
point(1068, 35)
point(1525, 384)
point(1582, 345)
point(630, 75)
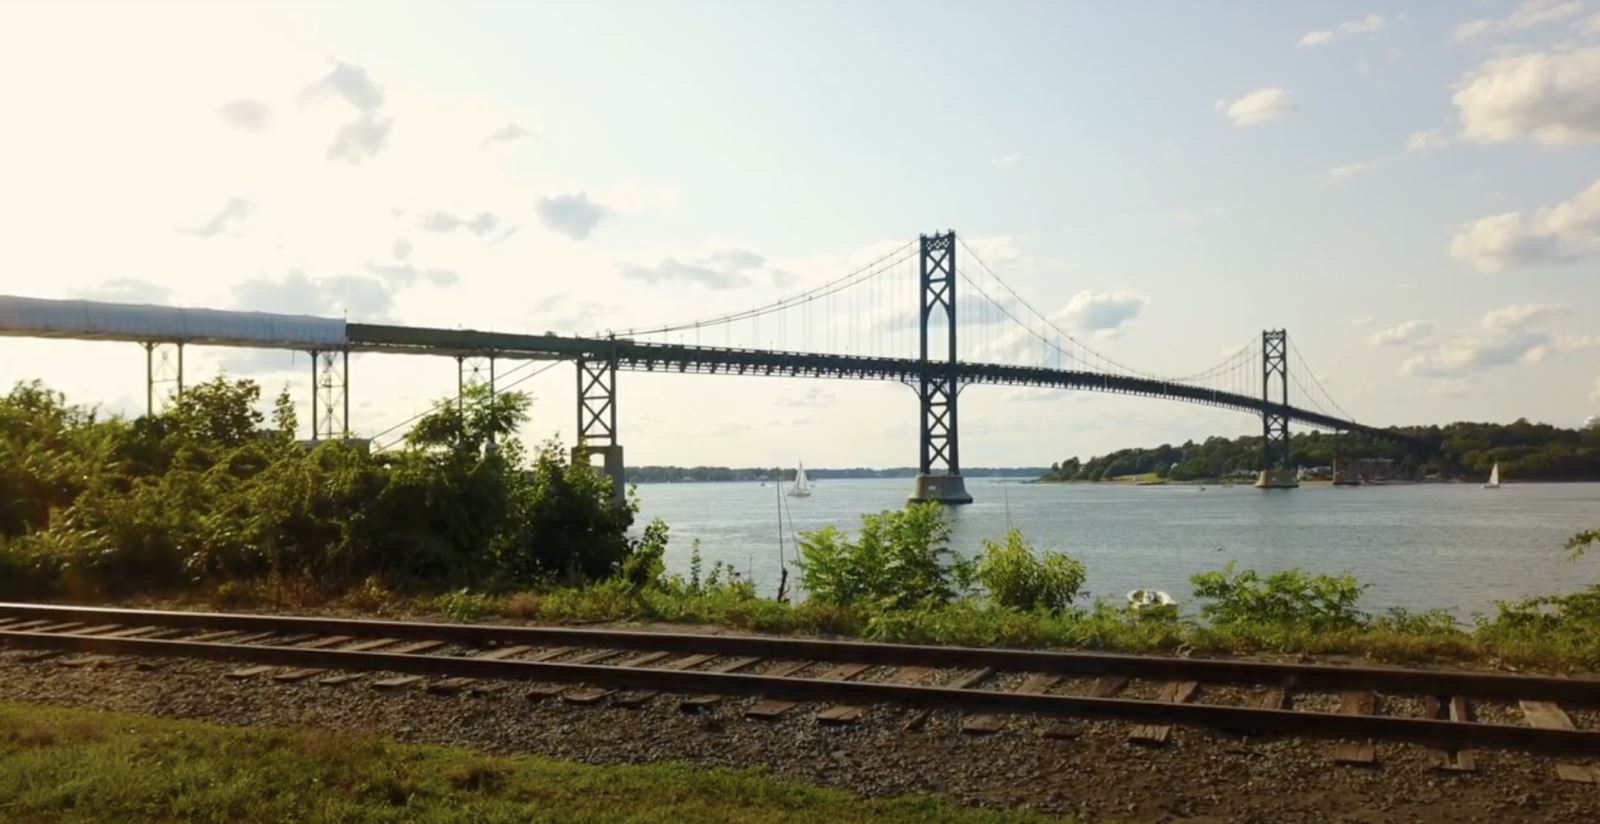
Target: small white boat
point(802, 487)
point(1494, 477)
point(1146, 598)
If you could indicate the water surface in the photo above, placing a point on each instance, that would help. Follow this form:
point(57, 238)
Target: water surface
point(1452, 546)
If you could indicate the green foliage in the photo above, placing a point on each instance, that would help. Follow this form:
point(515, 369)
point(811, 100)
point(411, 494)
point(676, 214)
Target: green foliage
point(645, 567)
point(1582, 542)
point(1567, 626)
point(1290, 598)
point(897, 560)
point(463, 606)
point(202, 495)
point(1016, 579)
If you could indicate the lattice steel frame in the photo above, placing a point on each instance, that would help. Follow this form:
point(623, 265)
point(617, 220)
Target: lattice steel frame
point(473, 370)
point(937, 388)
point(597, 402)
point(330, 394)
point(163, 363)
point(1275, 445)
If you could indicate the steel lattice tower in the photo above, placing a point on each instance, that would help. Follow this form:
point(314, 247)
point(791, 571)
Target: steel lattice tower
point(939, 468)
point(1275, 448)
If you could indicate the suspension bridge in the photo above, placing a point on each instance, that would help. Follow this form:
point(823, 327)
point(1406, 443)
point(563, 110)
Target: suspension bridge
point(929, 314)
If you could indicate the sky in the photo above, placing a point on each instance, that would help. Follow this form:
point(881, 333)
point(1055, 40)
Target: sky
point(1412, 190)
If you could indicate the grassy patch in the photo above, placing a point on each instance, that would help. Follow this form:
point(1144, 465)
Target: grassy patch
point(71, 765)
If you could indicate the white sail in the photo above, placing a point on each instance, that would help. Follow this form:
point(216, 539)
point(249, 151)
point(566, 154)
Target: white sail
point(802, 487)
point(1494, 477)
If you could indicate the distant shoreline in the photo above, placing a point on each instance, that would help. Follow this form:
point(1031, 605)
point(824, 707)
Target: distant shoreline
point(720, 474)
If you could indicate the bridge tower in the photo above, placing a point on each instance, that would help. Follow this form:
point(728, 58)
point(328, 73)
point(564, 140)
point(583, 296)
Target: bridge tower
point(597, 419)
point(939, 467)
point(1277, 467)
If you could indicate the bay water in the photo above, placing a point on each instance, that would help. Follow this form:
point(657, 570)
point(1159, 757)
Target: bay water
point(1422, 546)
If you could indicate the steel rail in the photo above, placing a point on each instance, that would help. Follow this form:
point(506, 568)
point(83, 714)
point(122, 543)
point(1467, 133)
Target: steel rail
point(1418, 730)
point(1395, 680)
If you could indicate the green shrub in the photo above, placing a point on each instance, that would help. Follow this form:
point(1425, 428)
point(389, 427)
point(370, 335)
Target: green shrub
point(897, 560)
point(200, 495)
point(1290, 598)
point(464, 606)
point(1015, 578)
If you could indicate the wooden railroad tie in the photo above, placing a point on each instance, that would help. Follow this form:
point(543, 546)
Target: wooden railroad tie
point(696, 703)
point(1455, 708)
point(638, 698)
point(1360, 753)
point(771, 708)
point(972, 678)
point(987, 722)
point(852, 713)
point(1175, 692)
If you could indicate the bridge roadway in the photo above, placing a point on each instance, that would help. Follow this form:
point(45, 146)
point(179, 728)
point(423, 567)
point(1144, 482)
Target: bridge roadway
point(642, 356)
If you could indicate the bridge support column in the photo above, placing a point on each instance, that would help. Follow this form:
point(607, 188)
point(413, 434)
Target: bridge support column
point(163, 363)
point(1277, 466)
point(939, 467)
point(597, 422)
point(330, 395)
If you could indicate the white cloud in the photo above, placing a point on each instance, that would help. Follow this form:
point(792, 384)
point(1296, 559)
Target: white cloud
point(1589, 27)
point(509, 133)
point(718, 269)
point(1503, 337)
point(1518, 316)
point(1577, 343)
point(1340, 173)
point(1595, 395)
point(1322, 37)
point(1258, 106)
point(1531, 14)
point(296, 293)
point(225, 221)
point(364, 137)
point(246, 114)
point(1550, 98)
point(1410, 333)
point(574, 215)
point(1102, 313)
point(1425, 141)
point(1005, 159)
point(1565, 232)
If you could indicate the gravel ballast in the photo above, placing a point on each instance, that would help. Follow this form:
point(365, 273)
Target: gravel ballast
point(1200, 776)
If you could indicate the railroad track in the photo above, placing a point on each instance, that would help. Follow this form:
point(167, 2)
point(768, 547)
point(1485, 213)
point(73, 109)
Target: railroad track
point(596, 665)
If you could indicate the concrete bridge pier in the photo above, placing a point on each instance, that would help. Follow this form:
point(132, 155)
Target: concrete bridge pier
point(1277, 479)
point(946, 489)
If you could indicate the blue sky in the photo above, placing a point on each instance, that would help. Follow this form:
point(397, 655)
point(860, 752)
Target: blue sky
point(1405, 187)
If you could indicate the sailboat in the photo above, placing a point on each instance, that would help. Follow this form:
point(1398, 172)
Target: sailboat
point(802, 487)
point(1494, 477)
